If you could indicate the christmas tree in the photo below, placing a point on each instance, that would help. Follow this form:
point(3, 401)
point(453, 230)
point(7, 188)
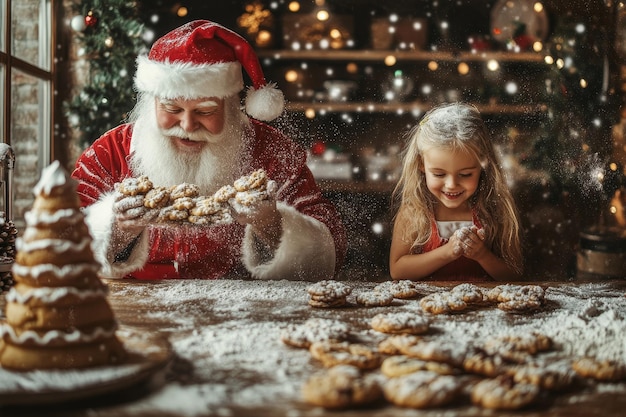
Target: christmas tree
point(110, 33)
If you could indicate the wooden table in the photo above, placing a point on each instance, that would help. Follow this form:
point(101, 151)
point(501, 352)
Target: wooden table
point(228, 360)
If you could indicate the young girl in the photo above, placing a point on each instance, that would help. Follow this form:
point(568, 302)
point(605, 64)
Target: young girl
point(456, 218)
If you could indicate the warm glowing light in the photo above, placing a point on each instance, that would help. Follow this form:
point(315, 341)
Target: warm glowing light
point(390, 60)
point(352, 68)
point(548, 60)
point(432, 65)
point(322, 15)
point(182, 11)
point(583, 83)
point(613, 166)
point(538, 7)
point(560, 63)
point(335, 33)
point(291, 76)
point(463, 68)
point(613, 209)
point(294, 6)
point(263, 38)
point(493, 65)
point(309, 113)
point(537, 46)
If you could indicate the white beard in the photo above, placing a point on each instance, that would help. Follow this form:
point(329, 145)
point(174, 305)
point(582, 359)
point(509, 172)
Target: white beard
point(219, 163)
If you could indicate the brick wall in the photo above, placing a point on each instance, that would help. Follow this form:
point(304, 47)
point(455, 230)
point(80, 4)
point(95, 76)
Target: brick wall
point(26, 114)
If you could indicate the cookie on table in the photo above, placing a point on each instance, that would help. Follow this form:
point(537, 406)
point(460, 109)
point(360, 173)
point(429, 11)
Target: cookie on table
point(517, 298)
point(314, 330)
point(400, 322)
point(469, 293)
point(345, 353)
point(402, 289)
point(553, 377)
point(340, 387)
point(422, 389)
point(480, 362)
point(374, 298)
point(393, 345)
point(518, 347)
point(442, 302)
point(503, 393)
point(399, 365)
point(599, 369)
point(446, 351)
point(328, 293)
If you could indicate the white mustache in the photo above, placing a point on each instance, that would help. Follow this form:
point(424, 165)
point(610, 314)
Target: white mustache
point(200, 135)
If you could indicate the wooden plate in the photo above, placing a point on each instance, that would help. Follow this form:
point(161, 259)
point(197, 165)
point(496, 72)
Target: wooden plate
point(147, 353)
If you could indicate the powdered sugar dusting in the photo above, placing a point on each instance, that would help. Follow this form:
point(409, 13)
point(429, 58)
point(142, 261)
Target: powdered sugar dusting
point(226, 337)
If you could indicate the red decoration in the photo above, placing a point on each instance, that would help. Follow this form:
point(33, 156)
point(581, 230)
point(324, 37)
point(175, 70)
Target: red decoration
point(318, 148)
point(91, 20)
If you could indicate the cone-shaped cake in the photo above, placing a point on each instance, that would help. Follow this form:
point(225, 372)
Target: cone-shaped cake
point(57, 314)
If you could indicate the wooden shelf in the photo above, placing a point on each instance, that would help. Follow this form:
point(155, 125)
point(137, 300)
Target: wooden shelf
point(409, 107)
point(381, 55)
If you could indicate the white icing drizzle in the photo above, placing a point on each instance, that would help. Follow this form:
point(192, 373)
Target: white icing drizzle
point(57, 246)
point(53, 176)
point(52, 335)
point(72, 215)
point(63, 272)
point(50, 295)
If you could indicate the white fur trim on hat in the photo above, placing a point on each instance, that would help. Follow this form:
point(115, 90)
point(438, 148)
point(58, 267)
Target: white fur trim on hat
point(265, 103)
point(186, 80)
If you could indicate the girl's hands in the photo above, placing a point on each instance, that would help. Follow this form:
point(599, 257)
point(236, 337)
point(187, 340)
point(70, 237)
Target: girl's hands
point(471, 242)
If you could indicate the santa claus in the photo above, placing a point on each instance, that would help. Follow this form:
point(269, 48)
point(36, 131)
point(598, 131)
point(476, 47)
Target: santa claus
point(188, 127)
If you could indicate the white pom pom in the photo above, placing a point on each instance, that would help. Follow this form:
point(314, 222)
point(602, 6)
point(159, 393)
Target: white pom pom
point(266, 103)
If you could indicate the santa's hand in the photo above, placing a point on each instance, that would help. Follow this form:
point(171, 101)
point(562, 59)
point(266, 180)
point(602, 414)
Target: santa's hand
point(130, 214)
point(258, 209)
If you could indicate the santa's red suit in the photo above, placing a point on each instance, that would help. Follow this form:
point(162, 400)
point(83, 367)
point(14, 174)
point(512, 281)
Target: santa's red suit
point(312, 244)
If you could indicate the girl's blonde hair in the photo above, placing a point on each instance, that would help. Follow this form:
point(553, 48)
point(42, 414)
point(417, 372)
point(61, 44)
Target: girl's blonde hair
point(457, 127)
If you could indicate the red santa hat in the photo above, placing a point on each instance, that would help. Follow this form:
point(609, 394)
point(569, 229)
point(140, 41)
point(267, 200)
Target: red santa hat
point(204, 59)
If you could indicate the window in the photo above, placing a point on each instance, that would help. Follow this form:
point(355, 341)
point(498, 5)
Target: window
point(26, 84)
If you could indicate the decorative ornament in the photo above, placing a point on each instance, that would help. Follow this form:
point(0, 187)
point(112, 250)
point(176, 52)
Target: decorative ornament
point(78, 23)
point(91, 20)
point(108, 42)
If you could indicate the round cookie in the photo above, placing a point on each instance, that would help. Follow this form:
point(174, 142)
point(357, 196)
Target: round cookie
point(184, 189)
point(552, 377)
point(400, 322)
point(400, 289)
point(423, 389)
point(374, 298)
point(442, 302)
point(345, 353)
point(480, 362)
point(314, 330)
point(158, 197)
point(255, 181)
point(183, 203)
point(444, 351)
point(224, 194)
point(339, 387)
point(395, 344)
point(134, 185)
point(502, 393)
point(469, 293)
point(328, 294)
point(399, 365)
point(600, 370)
point(518, 347)
point(205, 207)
